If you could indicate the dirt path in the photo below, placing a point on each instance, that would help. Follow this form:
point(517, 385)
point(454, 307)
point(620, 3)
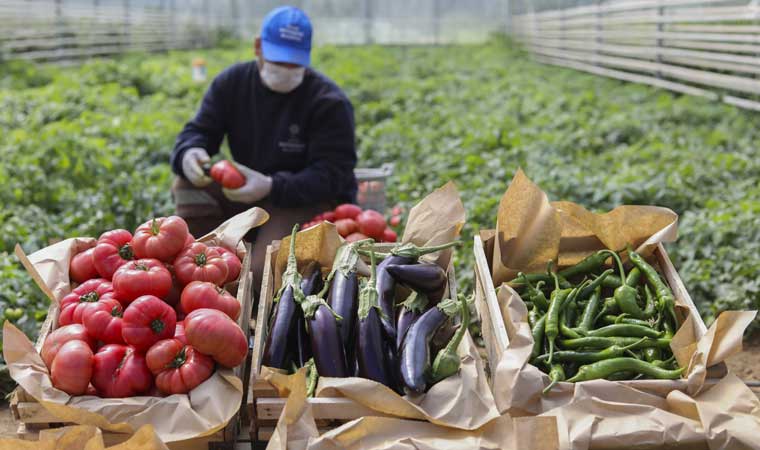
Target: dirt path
point(747, 363)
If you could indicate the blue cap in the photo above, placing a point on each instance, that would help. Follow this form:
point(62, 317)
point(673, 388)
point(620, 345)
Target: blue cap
point(286, 36)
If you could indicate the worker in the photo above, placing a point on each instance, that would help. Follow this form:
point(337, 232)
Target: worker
point(290, 131)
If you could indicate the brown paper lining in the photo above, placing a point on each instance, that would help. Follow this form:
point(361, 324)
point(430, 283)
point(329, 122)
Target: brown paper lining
point(600, 413)
point(87, 437)
point(203, 411)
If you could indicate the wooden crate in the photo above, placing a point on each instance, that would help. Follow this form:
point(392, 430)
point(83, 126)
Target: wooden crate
point(264, 403)
point(492, 324)
point(33, 417)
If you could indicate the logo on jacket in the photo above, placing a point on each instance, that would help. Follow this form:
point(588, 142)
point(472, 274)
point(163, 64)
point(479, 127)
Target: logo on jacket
point(294, 144)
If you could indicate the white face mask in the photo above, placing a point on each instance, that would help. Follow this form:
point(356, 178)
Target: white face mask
point(281, 79)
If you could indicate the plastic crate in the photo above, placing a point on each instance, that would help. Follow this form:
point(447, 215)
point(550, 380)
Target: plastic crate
point(372, 181)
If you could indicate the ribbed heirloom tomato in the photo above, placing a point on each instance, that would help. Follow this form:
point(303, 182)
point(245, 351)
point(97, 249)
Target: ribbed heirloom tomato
point(226, 174)
point(112, 251)
point(82, 267)
point(212, 333)
point(161, 238)
point(202, 294)
point(103, 321)
point(147, 320)
point(141, 277)
point(60, 336)
point(72, 367)
point(179, 368)
point(120, 371)
point(233, 264)
point(83, 297)
point(198, 262)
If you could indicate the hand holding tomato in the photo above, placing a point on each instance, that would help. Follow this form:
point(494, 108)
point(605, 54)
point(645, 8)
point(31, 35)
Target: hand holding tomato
point(226, 174)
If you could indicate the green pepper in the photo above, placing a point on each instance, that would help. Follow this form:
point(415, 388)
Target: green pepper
point(613, 351)
point(598, 281)
point(611, 320)
point(537, 277)
point(624, 330)
point(625, 295)
point(604, 342)
point(662, 292)
point(556, 302)
point(556, 374)
point(612, 281)
point(534, 293)
point(652, 354)
point(589, 312)
point(602, 369)
point(650, 309)
point(633, 277)
point(538, 336)
point(585, 266)
point(620, 376)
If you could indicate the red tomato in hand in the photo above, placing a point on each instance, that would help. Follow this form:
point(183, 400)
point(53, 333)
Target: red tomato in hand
point(347, 211)
point(82, 267)
point(212, 333)
point(141, 277)
point(389, 235)
point(83, 297)
point(112, 251)
point(200, 263)
point(72, 367)
point(233, 263)
point(371, 223)
point(329, 216)
point(179, 332)
point(226, 174)
point(200, 294)
point(346, 226)
point(146, 321)
point(179, 368)
point(120, 371)
point(353, 237)
point(103, 321)
point(60, 336)
point(161, 238)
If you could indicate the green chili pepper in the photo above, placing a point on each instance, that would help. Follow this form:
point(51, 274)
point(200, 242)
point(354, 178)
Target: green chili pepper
point(612, 281)
point(625, 295)
point(533, 315)
point(537, 277)
point(609, 306)
point(669, 363)
point(624, 330)
point(589, 312)
point(614, 351)
point(534, 293)
point(585, 266)
point(538, 336)
point(652, 354)
point(620, 376)
point(556, 374)
point(662, 291)
point(598, 281)
point(602, 369)
point(633, 277)
point(651, 302)
point(611, 320)
point(556, 302)
point(604, 342)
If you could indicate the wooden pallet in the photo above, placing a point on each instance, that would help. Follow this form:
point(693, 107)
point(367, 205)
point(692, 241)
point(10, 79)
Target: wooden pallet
point(264, 403)
point(493, 327)
point(32, 417)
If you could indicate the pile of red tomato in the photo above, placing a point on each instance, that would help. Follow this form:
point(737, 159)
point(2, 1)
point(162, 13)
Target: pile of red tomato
point(353, 224)
point(149, 316)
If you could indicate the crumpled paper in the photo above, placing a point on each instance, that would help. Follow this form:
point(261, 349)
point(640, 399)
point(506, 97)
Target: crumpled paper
point(87, 437)
point(602, 414)
point(202, 412)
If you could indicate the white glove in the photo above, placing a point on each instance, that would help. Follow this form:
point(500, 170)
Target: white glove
point(191, 166)
point(257, 186)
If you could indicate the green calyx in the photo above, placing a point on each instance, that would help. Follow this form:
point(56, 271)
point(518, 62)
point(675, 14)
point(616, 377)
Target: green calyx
point(448, 306)
point(410, 250)
point(154, 227)
point(347, 257)
point(416, 302)
point(447, 361)
point(90, 297)
point(200, 259)
point(178, 360)
point(125, 252)
point(116, 312)
point(291, 277)
point(368, 297)
point(157, 325)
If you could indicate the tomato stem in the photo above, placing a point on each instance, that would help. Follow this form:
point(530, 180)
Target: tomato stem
point(116, 312)
point(200, 259)
point(157, 325)
point(154, 227)
point(90, 297)
point(141, 266)
point(178, 360)
point(125, 252)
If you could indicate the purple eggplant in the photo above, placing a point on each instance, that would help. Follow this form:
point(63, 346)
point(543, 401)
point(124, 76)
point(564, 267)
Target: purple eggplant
point(299, 338)
point(429, 279)
point(411, 309)
point(371, 345)
point(284, 319)
point(415, 350)
point(343, 297)
point(324, 335)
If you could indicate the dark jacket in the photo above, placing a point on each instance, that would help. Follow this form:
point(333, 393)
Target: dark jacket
point(303, 139)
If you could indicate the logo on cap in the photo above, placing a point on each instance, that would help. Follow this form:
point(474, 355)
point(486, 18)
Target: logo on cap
point(291, 33)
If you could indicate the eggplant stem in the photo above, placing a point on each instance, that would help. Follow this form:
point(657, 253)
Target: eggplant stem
point(368, 297)
point(416, 302)
point(291, 277)
point(447, 360)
